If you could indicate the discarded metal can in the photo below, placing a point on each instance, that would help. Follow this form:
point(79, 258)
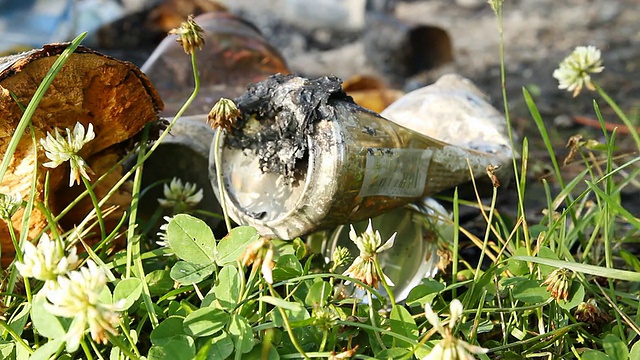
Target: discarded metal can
point(304, 157)
point(234, 54)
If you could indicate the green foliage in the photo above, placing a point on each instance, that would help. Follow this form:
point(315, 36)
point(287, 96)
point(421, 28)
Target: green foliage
point(234, 244)
point(127, 292)
point(191, 240)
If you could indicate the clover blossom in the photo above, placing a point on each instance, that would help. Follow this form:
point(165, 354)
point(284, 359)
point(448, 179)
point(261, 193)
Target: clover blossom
point(77, 296)
point(260, 253)
point(364, 266)
point(180, 197)
point(189, 35)
point(339, 257)
point(589, 312)
point(574, 71)
point(9, 205)
point(558, 283)
point(223, 114)
point(450, 347)
point(47, 260)
point(60, 149)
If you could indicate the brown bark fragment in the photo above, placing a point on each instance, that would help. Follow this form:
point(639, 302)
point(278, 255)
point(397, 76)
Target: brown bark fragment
point(112, 95)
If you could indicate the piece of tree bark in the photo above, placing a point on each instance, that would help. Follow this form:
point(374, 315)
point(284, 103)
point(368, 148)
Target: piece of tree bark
point(113, 95)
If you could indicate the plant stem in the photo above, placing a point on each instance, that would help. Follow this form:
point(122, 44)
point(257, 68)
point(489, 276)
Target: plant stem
point(133, 241)
point(116, 341)
point(287, 325)
point(392, 298)
point(373, 321)
point(503, 85)
point(25, 218)
point(85, 348)
point(95, 350)
point(621, 115)
point(185, 106)
point(16, 337)
point(27, 286)
point(221, 189)
point(323, 343)
point(96, 206)
point(456, 243)
point(486, 236)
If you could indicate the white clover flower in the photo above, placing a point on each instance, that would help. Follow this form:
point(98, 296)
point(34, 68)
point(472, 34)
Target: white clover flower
point(450, 347)
point(370, 245)
point(60, 149)
point(573, 72)
point(9, 205)
point(76, 296)
point(180, 197)
point(46, 261)
point(260, 253)
point(162, 235)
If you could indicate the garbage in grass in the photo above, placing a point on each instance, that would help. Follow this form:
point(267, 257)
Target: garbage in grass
point(304, 157)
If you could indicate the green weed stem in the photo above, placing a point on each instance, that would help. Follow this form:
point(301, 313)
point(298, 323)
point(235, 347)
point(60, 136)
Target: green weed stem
point(520, 186)
point(221, 188)
point(96, 206)
point(287, 325)
point(383, 280)
point(621, 115)
point(133, 243)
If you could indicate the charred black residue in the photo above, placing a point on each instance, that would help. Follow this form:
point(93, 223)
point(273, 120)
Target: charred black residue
point(285, 108)
point(378, 151)
point(370, 131)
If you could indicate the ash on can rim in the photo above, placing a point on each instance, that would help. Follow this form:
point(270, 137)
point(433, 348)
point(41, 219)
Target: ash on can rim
point(278, 114)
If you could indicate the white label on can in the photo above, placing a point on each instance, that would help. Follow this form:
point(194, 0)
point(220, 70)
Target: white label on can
point(395, 172)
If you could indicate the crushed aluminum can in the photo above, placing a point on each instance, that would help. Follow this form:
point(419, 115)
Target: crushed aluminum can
point(304, 157)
